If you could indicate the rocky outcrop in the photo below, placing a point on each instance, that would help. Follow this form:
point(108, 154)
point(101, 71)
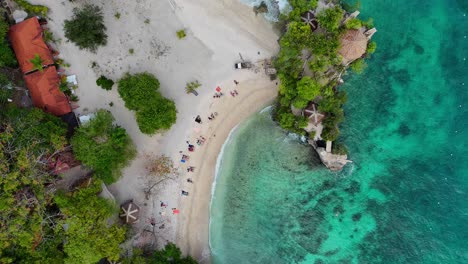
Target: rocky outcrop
point(334, 162)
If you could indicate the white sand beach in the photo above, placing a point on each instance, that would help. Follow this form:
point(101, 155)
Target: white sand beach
point(217, 31)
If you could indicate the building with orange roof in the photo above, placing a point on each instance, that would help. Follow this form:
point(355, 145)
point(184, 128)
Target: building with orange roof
point(45, 93)
point(27, 42)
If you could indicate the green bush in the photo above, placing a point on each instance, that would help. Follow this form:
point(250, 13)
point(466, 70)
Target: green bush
point(358, 66)
point(161, 115)
point(86, 28)
point(7, 57)
point(371, 47)
point(102, 146)
point(153, 111)
point(33, 9)
point(353, 23)
point(105, 83)
point(181, 34)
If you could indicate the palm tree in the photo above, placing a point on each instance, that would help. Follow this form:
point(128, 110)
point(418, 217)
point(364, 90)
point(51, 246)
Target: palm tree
point(37, 63)
point(192, 86)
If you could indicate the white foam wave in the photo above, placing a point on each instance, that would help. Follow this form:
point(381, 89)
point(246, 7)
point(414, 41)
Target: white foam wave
point(215, 180)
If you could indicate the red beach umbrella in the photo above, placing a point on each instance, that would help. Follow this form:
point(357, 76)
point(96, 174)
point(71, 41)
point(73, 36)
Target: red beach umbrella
point(175, 211)
point(218, 89)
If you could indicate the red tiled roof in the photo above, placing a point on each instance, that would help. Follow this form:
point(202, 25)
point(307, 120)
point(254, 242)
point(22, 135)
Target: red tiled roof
point(26, 39)
point(45, 93)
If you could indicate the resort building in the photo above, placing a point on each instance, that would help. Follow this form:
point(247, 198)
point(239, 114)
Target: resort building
point(43, 84)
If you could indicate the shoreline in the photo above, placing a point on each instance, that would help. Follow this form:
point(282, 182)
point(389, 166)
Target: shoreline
point(193, 227)
point(216, 174)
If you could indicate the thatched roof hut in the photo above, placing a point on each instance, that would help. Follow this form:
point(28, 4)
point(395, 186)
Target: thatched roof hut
point(353, 45)
point(130, 212)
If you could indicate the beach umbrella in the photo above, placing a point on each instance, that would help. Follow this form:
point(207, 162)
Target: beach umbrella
point(218, 89)
point(198, 119)
point(130, 212)
point(175, 211)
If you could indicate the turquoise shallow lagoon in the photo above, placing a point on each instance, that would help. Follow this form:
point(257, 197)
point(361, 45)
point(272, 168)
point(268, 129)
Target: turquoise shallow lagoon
point(405, 197)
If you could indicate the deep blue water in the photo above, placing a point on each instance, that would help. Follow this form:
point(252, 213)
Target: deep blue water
point(405, 197)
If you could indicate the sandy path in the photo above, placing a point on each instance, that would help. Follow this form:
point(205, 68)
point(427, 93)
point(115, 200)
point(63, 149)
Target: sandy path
point(217, 31)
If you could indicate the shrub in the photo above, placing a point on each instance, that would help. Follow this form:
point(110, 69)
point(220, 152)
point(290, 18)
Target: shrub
point(49, 37)
point(181, 34)
point(105, 83)
point(358, 66)
point(86, 28)
point(353, 23)
point(162, 115)
point(131, 51)
point(37, 63)
point(33, 9)
point(103, 146)
point(371, 47)
point(153, 111)
point(117, 15)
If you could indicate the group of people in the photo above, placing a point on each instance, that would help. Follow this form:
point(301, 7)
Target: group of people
point(201, 140)
point(218, 95)
point(212, 116)
point(234, 93)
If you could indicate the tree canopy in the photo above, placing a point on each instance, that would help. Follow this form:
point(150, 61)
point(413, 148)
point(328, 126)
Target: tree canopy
point(84, 225)
point(29, 137)
point(170, 254)
point(86, 28)
point(330, 18)
point(153, 111)
point(103, 146)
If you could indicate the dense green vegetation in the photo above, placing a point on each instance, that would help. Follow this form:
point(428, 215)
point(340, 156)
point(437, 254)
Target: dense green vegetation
point(103, 146)
point(32, 215)
point(309, 66)
point(7, 57)
point(140, 93)
point(105, 83)
point(27, 139)
point(86, 28)
point(85, 227)
point(170, 254)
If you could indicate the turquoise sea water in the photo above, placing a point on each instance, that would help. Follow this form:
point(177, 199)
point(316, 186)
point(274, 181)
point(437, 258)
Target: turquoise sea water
point(405, 197)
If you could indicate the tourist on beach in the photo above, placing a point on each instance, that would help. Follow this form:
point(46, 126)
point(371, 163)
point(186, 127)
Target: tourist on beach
point(235, 91)
point(185, 193)
point(189, 180)
point(236, 82)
